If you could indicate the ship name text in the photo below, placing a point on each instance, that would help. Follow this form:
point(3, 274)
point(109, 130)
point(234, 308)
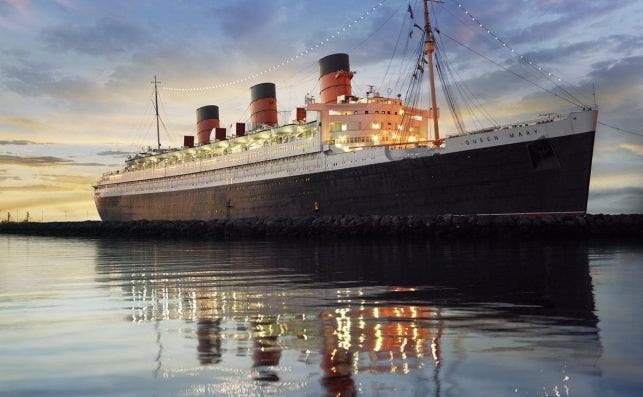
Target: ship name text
point(511, 135)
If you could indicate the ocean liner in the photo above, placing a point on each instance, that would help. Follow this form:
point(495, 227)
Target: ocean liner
point(345, 154)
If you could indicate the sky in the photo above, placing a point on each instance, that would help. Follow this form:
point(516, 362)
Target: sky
point(76, 98)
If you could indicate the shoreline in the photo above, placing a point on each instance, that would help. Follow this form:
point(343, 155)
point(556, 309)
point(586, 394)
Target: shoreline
point(461, 227)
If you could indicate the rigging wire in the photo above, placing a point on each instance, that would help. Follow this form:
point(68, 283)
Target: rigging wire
point(376, 31)
point(538, 68)
point(169, 136)
point(358, 45)
point(167, 133)
point(408, 55)
point(442, 72)
point(141, 122)
point(144, 136)
point(448, 93)
point(414, 89)
point(246, 114)
point(469, 99)
point(637, 133)
point(390, 61)
point(288, 60)
point(507, 69)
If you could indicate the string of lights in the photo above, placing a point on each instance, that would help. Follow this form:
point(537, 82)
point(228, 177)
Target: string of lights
point(552, 77)
point(288, 60)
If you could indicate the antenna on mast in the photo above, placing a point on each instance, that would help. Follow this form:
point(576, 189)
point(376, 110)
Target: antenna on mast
point(594, 93)
point(156, 108)
point(429, 48)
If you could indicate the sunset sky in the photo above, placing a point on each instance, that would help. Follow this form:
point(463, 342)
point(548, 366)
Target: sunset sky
point(76, 94)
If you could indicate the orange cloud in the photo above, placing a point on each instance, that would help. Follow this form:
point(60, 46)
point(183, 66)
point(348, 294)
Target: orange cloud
point(631, 147)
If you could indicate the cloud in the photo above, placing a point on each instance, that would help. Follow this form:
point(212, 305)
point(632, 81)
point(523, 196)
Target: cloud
point(54, 183)
point(618, 191)
point(34, 78)
point(616, 201)
point(561, 53)
point(74, 88)
point(4, 177)
point(244, 18)
point(606, 181)
point(42, 161)
point(18, 142)
point(618, 85)
point(84, 180)
point(39, 161)
point(92, 164)
point(13, 14)
point(538, 21)
point(25, 76)
point(634, 148)
point(106, 37)
point(17, 121)
point(30, 188)
point(114, 153)
point(626, 72)
point(65, 201)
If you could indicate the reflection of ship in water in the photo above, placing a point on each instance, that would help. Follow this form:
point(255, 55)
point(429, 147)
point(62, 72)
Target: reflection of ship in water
point(384, 339)
point(356, 308)
point(208, 333)
point(266, 349)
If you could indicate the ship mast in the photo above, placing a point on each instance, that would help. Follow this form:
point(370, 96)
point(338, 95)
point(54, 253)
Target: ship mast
point(429, 48)
point(156, 108)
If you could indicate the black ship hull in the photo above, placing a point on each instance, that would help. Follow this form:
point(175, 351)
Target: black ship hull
point(542, 176)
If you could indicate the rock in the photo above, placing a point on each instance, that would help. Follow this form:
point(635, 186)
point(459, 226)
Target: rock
point(338, 226)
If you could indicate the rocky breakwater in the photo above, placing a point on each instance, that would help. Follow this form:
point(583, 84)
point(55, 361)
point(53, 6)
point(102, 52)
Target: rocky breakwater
point(375, 226)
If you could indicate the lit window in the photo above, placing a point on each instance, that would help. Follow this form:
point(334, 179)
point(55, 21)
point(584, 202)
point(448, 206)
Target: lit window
point(376, 126)
point(332, 112)
point(344, 126)
point(416, 117)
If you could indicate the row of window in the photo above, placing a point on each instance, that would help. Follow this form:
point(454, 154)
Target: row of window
point(161, 169)
point(278, 168)
point(357, 112)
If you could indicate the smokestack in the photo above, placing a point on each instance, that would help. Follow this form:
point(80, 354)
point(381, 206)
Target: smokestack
point(207, 118)
point(334, 77)
point(263, 104)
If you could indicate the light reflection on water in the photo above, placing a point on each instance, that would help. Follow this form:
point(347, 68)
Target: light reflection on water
point(303, 318)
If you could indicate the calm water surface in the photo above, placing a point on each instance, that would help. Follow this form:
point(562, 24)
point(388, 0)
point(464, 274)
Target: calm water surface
point(96, 317)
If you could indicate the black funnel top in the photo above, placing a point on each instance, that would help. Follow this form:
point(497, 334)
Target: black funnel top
point(262, 90)
point(333, 63)
point(207, 112)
